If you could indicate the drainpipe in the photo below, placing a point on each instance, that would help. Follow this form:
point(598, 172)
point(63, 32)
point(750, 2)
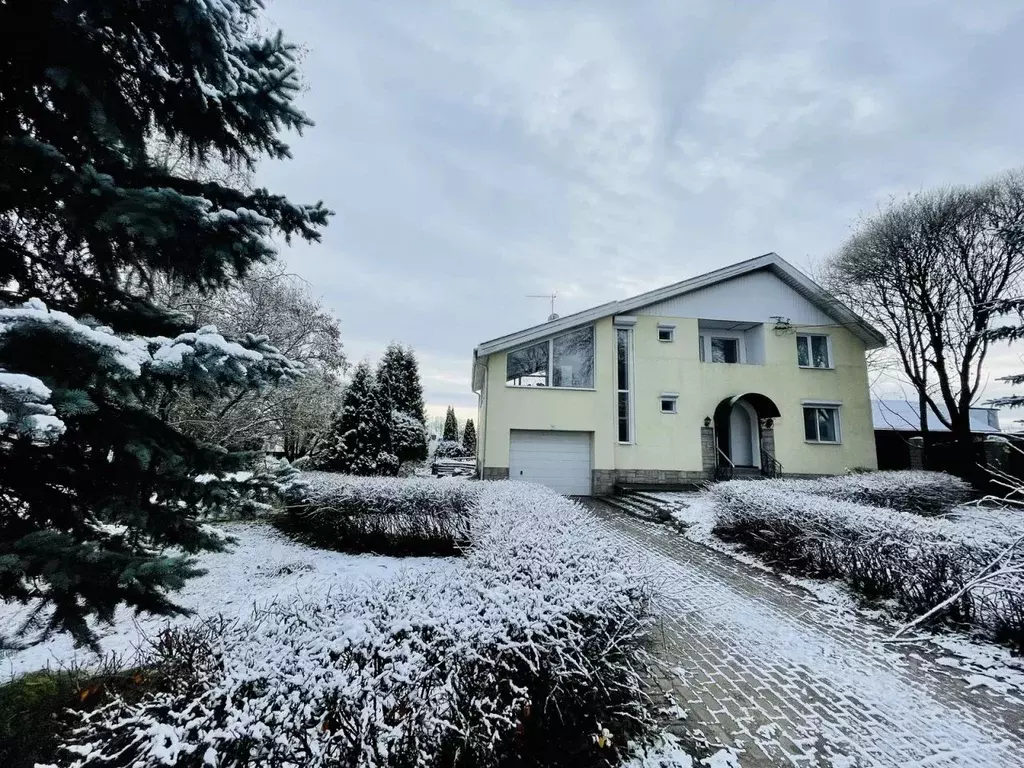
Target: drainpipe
point(481, 439)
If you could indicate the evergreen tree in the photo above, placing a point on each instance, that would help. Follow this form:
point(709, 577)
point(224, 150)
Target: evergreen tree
point(398, 380)
point(95, 481)
point(1011, 333)
point(400, 365)
point(359, 440)
point(469, 438)
point(451, 426)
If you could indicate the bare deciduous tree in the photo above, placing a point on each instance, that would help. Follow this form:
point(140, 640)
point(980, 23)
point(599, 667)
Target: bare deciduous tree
point(929, 272)
point(273, 303)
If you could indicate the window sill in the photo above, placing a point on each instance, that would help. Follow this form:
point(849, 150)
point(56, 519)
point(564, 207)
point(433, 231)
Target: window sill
point(816, 368)
point(823, 442)
point(557, 389)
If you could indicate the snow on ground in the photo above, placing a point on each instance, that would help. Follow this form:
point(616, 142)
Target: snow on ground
point(980, 662)
point(262, 565)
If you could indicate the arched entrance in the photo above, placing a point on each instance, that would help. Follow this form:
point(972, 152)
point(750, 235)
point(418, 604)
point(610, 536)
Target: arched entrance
point(738, 428)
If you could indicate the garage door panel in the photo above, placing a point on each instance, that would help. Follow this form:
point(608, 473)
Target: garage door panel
point(559, 460)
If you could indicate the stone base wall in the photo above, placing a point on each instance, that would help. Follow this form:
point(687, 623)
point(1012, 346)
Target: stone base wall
point(605, 480)
point(495, 473)
point(602, 482)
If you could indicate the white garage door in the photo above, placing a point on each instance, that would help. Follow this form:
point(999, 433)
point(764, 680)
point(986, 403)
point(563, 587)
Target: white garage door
point(559, 460)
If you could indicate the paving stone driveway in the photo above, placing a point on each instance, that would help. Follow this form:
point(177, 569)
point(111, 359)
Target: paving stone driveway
point(767, 668)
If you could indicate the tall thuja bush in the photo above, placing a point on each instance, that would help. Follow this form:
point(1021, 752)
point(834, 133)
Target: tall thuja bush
point(95, 483)
point(359, 439)
point(469, 438)
point(451, 426)
point(400, 388)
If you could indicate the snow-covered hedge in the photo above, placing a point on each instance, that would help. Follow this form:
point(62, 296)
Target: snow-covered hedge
point(450, 449)
point(384, 515)
point(924, 493)
point(517, 658)
point(881, 553)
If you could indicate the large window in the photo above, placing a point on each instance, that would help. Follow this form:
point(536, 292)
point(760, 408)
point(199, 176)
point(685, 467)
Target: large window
point(821, 424)
point(622, 338)
point(564, 361)
point(812, 351)
point(528, 367)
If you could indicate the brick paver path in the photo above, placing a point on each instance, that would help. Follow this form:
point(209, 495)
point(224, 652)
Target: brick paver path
point(767, 668)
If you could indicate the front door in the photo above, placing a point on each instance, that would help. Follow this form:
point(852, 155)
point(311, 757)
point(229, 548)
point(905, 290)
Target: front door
point(743, 436)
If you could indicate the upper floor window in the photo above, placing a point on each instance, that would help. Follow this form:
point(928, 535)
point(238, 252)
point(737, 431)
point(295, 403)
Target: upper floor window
point(725, 350)
point(563, 361)
point(813, 351)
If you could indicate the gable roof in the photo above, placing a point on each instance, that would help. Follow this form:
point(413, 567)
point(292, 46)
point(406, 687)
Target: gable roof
point(771, 262)
point(902, 416)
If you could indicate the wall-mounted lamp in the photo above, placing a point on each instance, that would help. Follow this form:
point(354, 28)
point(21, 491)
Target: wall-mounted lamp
point(707, 422)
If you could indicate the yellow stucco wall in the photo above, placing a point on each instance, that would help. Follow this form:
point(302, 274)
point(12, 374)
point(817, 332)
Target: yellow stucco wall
point(511, 408)
point(672, 441)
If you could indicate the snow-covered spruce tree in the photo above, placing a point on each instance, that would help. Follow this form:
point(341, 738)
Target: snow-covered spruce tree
point(469, 438)
point(95, 483)
point(451, 426)
point(398, 382)
point(1010, 334)
point(359, 440)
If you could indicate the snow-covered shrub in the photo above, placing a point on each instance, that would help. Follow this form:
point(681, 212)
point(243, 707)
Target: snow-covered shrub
point(449, 449)
point(513, 660)
point(881, 553)
point(384, 515)
point(925, 493)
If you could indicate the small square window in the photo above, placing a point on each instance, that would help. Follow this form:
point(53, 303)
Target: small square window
point(668, 404)
point(666, 334)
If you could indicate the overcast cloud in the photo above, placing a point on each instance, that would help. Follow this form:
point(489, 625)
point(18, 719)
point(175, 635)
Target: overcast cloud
point(478, 151)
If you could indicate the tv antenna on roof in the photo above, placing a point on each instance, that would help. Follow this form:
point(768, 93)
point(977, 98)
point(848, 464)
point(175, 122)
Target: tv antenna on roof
point(550, 297)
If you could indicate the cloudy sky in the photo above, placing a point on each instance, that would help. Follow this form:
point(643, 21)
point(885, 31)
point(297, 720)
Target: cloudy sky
point(476, 151)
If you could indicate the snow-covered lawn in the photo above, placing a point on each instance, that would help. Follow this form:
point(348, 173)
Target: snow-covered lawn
point(261, 567)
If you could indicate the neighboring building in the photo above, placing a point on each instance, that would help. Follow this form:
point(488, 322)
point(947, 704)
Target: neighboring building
point(753, 366)
point(897, 421)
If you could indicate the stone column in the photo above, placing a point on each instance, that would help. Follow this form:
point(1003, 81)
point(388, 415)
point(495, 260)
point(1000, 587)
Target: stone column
point(708, 454)
point(768, 439)
point(916, 452)
point(996, 453)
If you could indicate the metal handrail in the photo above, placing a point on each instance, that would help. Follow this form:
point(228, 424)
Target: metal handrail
point(724, 471)
point(772, 467)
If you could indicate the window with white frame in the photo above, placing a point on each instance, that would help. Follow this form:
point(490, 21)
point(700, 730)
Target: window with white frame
point(700, 346)
point(724, 349)
point(813, 350)
point(821, 424)
point(666, 333)
point(565, 361)
point(622, 375)
point(669, 402)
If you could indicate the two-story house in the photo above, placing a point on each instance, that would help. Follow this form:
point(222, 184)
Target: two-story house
point(749, 369)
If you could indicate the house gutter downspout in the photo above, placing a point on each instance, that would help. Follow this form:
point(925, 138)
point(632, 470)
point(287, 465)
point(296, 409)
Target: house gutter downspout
point(481, 441)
